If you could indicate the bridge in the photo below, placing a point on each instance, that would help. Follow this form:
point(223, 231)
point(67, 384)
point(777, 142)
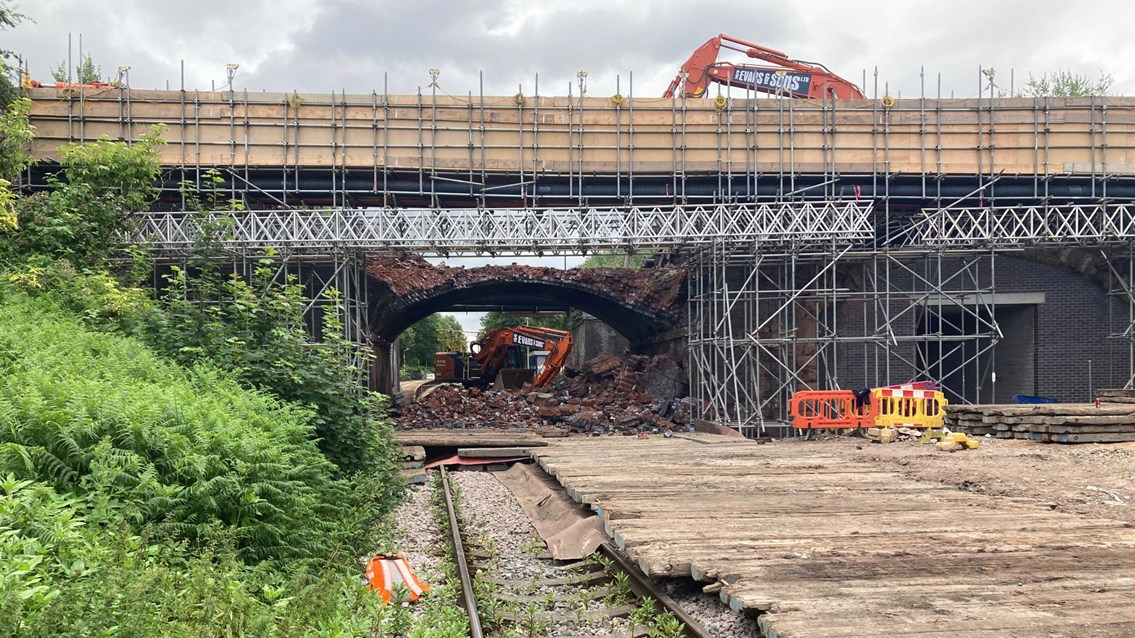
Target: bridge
point(827, 243)
point(291, 150)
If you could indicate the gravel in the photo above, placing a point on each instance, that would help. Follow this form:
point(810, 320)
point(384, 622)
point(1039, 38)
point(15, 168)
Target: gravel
point(488, 505)
point(418, 538)
point(708, 609)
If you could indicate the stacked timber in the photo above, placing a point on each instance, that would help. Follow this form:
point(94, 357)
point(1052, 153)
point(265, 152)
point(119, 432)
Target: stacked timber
point(1118, 395)
point(1049, 422)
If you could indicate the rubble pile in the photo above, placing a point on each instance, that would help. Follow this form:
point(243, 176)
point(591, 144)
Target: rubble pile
point(626, 394)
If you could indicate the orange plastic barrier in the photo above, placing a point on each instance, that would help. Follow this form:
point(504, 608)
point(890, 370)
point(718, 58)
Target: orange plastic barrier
point(905, 407)
point(828, 409)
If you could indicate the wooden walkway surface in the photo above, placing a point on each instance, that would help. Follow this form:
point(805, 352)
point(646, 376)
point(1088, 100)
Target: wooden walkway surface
point(824, 547)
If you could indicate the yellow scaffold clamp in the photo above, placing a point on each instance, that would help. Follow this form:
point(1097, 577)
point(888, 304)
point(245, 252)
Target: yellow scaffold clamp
point(719, 102)
point(519, 99)
point(887, 101)
point(295, 101)
point(617, 100)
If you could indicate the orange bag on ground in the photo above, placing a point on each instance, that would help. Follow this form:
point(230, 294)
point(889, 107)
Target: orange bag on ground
point(385, 572)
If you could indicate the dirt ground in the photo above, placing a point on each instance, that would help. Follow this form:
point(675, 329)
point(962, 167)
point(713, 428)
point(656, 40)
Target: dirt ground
point(1097, 480)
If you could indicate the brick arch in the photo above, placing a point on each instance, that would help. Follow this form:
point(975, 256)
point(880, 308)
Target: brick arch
point(637, 303)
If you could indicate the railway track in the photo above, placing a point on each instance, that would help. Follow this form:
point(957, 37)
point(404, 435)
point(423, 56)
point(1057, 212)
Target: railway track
point(629, 587)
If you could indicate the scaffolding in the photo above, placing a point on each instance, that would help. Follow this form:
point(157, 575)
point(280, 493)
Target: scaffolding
point(830, 243)
point(333, 282)
point(762, 326)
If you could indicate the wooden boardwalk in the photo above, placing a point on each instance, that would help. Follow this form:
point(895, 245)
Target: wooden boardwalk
point(824, 547)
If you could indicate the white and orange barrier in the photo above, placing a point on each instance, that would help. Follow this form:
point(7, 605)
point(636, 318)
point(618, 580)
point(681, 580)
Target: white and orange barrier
point(384, 573)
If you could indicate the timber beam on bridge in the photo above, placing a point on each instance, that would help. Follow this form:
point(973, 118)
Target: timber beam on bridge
point(296, 150)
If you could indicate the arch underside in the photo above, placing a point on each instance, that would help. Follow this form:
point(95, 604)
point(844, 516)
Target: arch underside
point(633, 322)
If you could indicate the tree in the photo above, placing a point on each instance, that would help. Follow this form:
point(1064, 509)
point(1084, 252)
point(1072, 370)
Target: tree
point(1067, 84)
point(89, 207)
point(9, 18)
point(614, 260)
point(560, 321)
point(85, 71)
point(422, 340)
point(15, 134)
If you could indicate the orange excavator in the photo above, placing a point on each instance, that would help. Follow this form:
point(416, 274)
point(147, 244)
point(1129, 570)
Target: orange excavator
point(791, 78)
point(503, 350)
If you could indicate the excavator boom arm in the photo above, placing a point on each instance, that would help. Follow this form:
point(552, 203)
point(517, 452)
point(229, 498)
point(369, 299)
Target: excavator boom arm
point(494, 350)
point(791, 77)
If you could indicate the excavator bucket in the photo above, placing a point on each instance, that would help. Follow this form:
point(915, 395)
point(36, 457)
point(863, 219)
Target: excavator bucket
point(384, 573)
point(513, 378)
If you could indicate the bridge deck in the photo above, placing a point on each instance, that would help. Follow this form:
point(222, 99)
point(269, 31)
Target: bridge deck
point(827, 547)
point(1086, 136)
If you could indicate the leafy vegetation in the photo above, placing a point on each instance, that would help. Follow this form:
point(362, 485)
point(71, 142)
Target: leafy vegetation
point(1067, 84)
point(86, 71)
point(256, 330)
point(422, 340)
point(188, 453)
point(83, 216)
point(158, 499)
point(15, 134)
point(180, 462)
point(560, 321)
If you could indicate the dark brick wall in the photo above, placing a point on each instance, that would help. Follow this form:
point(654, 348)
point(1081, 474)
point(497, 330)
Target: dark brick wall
point(1072, 328)
point(592, 338)
point(1046, 353)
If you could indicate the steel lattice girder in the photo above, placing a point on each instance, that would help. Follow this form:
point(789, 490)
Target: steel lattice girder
point(1014, 226)
point(496, 231)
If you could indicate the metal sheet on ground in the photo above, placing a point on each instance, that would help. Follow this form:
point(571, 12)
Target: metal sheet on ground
point(823, 546)
point(571, 532)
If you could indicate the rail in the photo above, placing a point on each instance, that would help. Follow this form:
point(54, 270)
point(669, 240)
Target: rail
point(639, 582)
point(642, 586)
point(468, 600)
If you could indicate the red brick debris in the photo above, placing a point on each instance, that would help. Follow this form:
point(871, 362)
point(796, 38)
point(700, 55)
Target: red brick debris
point(627, 394)
point(657, 288)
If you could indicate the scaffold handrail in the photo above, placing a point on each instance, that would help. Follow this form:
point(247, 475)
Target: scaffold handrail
point(507, 231)
point(1015, 226)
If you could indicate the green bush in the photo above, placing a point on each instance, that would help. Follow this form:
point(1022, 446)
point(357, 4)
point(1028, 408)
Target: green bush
point(188, 452)
point(256, 330)
point(84, 215)
point(70, 571)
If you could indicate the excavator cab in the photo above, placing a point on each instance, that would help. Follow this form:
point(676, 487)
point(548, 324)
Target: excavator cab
point(500, 359)
point(461, 367)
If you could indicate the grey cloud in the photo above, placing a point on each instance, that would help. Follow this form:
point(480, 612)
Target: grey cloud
point(312, 45)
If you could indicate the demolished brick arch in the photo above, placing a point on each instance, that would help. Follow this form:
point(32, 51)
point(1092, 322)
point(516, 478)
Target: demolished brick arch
point(637, 303)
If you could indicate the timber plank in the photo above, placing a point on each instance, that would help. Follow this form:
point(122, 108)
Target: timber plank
point(468, 438)
point(832, 548)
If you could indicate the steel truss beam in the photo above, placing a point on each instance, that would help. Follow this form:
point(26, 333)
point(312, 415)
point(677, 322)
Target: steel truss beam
point(517, 231)
point(1015, 226)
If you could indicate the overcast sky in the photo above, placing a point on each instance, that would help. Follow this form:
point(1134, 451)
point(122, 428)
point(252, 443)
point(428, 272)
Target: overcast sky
point(325, 45)
point(333, 45)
